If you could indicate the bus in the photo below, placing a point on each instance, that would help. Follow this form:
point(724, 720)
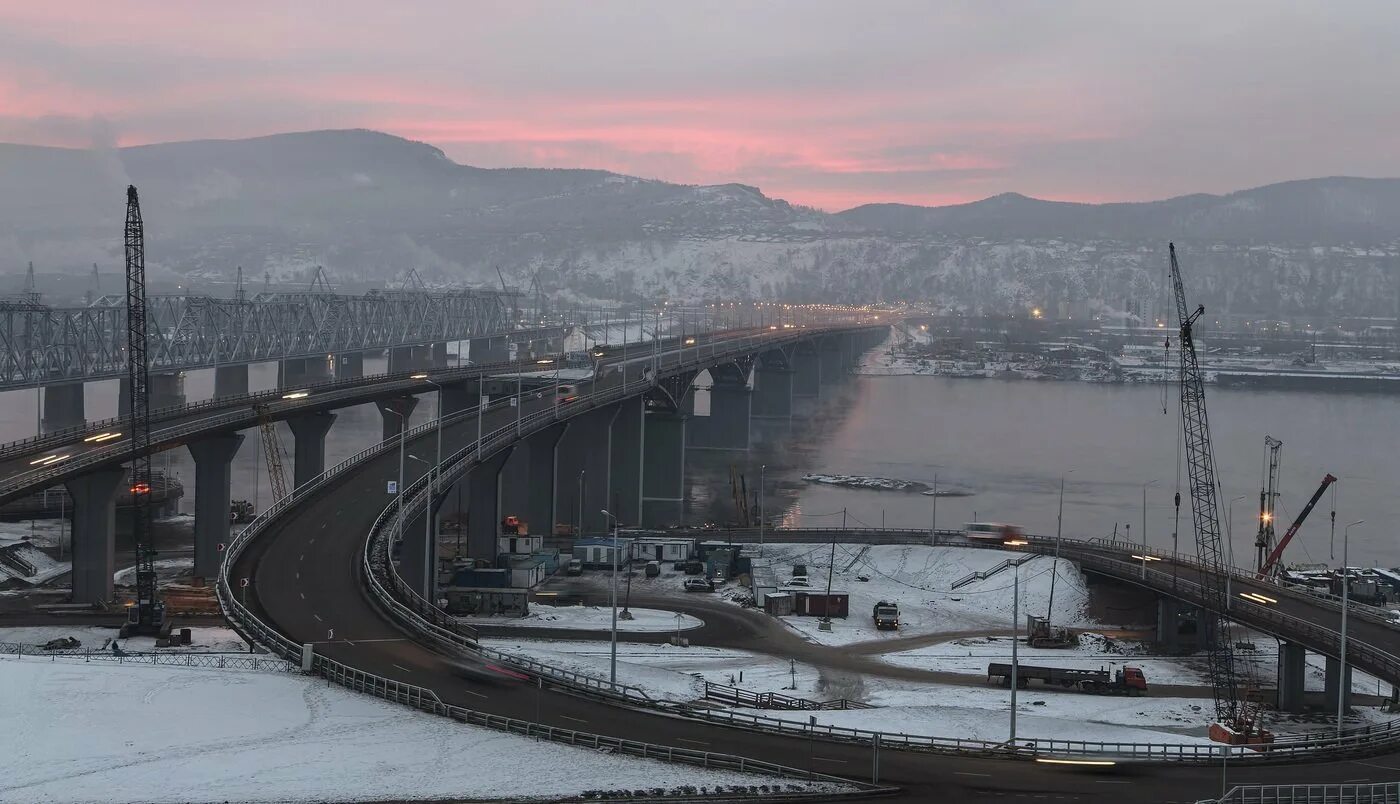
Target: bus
point(1009, 535)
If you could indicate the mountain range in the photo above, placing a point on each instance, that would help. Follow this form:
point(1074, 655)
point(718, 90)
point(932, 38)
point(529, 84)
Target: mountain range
point(368, 206)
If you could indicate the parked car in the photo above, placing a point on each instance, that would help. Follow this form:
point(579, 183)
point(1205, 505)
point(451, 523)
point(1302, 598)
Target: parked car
point(699, 585)
point(653, 569)
point(800, 580)
point(574, 567)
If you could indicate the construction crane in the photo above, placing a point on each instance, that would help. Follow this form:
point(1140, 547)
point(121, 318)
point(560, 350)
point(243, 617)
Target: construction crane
point(1271, 565)
point(272, 451)
point(1268, 496)
point(1206, 520)
point(148, 615)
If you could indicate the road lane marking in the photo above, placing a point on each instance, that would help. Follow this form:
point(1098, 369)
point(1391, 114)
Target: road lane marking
point(829, 759)
point(318, 618)
point(303, 595)
point(299, 578)
point(301, 557)
point(574, 719)
point(477, 694)
point(692, 742)
point(1111, 781)
point(965, 773)
point(405, 669)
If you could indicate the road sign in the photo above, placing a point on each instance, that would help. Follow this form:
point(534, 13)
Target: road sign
point(393, 487)
point(243, 583)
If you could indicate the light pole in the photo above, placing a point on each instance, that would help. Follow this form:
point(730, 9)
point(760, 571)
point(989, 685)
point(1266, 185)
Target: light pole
point(398, 490)
point(933, 518)
point(1144, 527)
point(762, 468)
point(432, 471)
point(612, 676)
point(1015, 638)
point(1346, 601)
point(1059, 529)
point(480, 405)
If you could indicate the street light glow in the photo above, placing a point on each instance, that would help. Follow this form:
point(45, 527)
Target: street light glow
point(297, 395)
point(423, 376)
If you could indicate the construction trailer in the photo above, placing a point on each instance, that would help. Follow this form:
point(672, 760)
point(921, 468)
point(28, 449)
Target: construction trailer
point(820, 603)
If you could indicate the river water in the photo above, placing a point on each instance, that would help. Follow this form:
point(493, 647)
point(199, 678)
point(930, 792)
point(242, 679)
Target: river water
point(1010, 442)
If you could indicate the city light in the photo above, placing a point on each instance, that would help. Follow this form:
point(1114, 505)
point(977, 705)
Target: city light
point(44, 459)
point(1095, 763)
point(297, 395)
point(423, 376)
point(1145, 558)
point(1257, 598)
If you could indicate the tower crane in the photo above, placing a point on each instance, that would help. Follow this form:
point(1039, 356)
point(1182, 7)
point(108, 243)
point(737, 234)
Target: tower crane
point(1205, 515)
point(1264, 541)
point(148, 615)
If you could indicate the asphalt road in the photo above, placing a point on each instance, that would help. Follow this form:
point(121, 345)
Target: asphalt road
point(306, 581)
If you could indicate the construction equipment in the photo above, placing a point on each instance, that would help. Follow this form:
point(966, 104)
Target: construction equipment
point(147, 616)
point(272, 452)
point(1271, 565)
point(1124, 681)
point(1041, 634)
point(241, 512)
point(1234, 722)
point(1268, 495)
point(886, 616)
point(739, 490)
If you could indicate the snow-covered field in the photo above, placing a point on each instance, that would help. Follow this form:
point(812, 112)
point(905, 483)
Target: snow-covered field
point(218, 736)
point(594, 659)
point(917, 577)
point(205, 639)
point(591, 618)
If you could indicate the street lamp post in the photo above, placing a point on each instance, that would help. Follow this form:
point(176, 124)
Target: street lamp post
point(1346, 601)
point(428, 535)
point(612, 674)
point(1144, 527)
point(1059, 530)
point(762, 468)
point(398, 490)
point(1015, 638)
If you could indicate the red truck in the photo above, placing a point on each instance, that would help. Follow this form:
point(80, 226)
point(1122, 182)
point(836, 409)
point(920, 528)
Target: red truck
point(1125, 681)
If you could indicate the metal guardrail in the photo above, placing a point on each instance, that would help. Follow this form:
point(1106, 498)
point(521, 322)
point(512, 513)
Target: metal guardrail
point(1381, 793)
point(774, 700)
point(256, 630)
point(212, 661)
point(9, 557)
point(982, 575)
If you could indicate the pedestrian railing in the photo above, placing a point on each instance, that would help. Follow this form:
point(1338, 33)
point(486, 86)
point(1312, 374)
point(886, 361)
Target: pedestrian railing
point(211, 661)
point(1380, 793)
point(774, 700)
point(982, 575)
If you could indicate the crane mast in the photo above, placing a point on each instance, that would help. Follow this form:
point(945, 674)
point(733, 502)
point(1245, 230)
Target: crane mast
point(148, 615)
point(1205, 513)
point(1264, 541)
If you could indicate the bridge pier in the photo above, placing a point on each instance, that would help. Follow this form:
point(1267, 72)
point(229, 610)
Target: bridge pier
point(541, 452)
point(771, 411)
point(395, 413)
point(663, 469)
point(833, 360)
point(627, 444)
point(95, 533)
point(459, 397)
point(213, 461)
point(164, 391)
point(484, 506)
point(1332, 680)
point(230, 380)
point(63, 406)
point(349, 365)
point(309, 439)
point(1292, 663)
point(294, 372)
point(582, 463)
point(727, 426)
point(1169, 624)
point(437, 355)
point(806, 376)
point(489, 350)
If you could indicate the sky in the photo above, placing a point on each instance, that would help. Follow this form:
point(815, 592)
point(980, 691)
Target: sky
point(827, 104)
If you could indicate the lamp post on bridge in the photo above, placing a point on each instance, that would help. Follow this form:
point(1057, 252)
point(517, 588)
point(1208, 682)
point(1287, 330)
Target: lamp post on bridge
point(1346, 602)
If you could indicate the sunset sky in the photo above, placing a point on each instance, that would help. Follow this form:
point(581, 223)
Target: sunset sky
point(830, 104)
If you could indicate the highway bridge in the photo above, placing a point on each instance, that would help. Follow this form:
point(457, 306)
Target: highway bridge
point(318, 573)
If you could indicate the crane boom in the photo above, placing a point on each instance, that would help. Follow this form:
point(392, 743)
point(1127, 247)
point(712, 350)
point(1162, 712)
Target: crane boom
point(1264, 541)
point(1271, 563)
point(1205, 513)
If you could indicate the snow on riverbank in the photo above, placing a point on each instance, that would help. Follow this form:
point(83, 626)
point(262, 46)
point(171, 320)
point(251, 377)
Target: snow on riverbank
point(591, 618)
point(918, 577)
point(866, 482)
point(205, 639)
point(262, 737)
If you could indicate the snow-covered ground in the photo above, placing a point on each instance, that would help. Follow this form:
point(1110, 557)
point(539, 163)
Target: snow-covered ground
point(167, 569)
point(205, 639)
point(594, 659)
point(264, 737)
point(43, 532)
point(918, 577)
point(591, 618)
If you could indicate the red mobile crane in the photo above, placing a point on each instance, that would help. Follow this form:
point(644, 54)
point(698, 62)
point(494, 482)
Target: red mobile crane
point(1271, 565)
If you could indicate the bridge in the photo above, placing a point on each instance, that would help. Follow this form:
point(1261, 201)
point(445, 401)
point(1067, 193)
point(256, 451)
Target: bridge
point(323, 587)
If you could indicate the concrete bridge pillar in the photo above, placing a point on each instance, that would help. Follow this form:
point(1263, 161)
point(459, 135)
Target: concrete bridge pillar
point(833, 361)
point(541, 460)
point(213, 461)
point(394, 413)
point(1292, 664)
point(230, 381)
point(807, 373)
point(349, 365)
point(582, 463)
point(489, 350)
point(663, 469)
point(627, 442)
point(401, 359)
point(164, 391)
point(63, 406)
point(772, 403)
point(295, 372)
point(727, 426)
point(484, 506)
point(309, 439)
point(459, 397)
point(1169, 624)
point(1332, 680)
point(95, 533)
point(437, 355)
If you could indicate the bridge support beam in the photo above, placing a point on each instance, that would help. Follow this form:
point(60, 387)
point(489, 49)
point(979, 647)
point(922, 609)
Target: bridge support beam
point(663, 469)
point(807, 374)
point(165, 391)
point(394, 414)
point(627, 443)
point(582, 464)
point(213, 461)
point(349, 365)
point(833, 360)
point(772, 403)
point(309, 439)
point(95, 533)
point(63, 406)
point(230, 380)
point(418, 552)
point(1333, 680)
point(489, 350)
point(727, 426)
point(541, 451)
point(437, 355)
point(484, 506)
point(1169, 624)
point(295, 372)
point(1291, 668)
point(459, 397)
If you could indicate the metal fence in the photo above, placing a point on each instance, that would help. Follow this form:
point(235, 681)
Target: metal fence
point(1383, 793)
point(739, 696)
point(209, 661)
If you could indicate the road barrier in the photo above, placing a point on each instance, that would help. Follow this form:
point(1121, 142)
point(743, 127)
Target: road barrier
point(739, 696)
point(210, 661)
point(1382, 793)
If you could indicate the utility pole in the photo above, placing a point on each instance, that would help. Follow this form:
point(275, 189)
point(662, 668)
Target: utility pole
point(1015, 638)
point(762, 469)
point(933, 519)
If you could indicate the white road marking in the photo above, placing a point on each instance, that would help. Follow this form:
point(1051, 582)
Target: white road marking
point(299, 578)
point(829, 759)
point(1111, 781)
point(479, 695)
point(405, 669)
point(303, 595)
point(692, 742)
point(301, 557)
point(965, 773)
point(318, 618)
point(574, 719)
point(1374, 765)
